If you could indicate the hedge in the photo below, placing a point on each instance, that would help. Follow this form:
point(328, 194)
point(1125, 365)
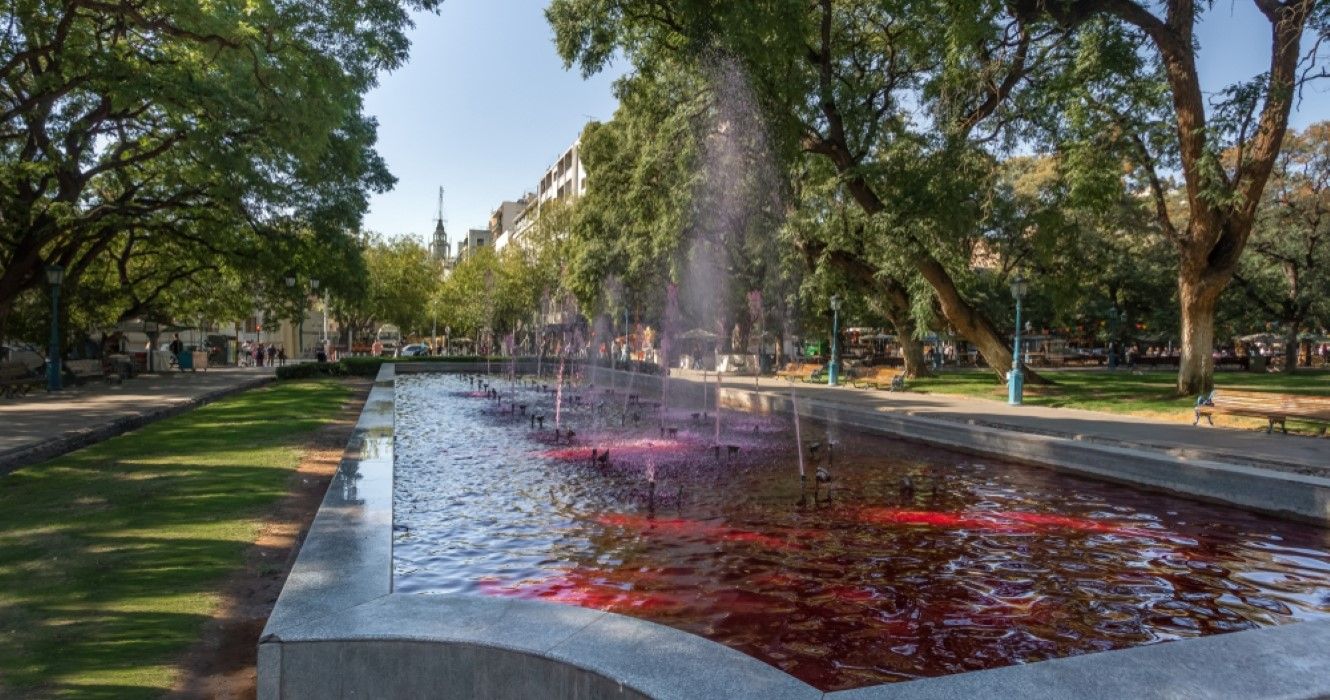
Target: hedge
point(307, 370)
point(368, 366)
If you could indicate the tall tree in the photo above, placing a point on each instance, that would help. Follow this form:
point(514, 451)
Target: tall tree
point(1249, 120)
point(1289, 275)
point(840, 79)
point(191, 124)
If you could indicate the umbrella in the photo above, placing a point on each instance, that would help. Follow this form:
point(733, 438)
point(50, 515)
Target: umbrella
point(698, 334)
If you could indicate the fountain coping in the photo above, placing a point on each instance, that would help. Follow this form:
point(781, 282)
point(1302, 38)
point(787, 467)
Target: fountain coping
point(339, 630)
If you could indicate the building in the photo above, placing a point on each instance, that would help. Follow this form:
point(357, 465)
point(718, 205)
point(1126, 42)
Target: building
point(566, 179)
point(503, 221)
point(475, 238)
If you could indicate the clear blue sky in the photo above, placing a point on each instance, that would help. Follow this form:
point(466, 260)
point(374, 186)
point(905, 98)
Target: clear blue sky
point(484, 106)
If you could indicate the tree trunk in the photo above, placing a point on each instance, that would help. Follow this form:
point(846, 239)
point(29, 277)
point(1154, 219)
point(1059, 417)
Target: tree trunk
point(969, 323)
point(1291, 346)
point(1198, 294)
point(896, 303)
point(913, 352)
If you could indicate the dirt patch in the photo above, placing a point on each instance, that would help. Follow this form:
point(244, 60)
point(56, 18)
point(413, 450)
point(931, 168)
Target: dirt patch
point(222, 663)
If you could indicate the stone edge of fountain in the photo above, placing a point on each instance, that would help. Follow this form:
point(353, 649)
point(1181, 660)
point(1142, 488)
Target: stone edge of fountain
point(338, 630)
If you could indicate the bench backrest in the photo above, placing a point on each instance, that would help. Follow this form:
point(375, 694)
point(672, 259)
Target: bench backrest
point(84, 366)
point(13, 370)
point(1272, 403)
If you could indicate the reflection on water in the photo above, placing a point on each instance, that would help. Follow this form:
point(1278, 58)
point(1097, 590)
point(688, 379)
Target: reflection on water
point(975, 564)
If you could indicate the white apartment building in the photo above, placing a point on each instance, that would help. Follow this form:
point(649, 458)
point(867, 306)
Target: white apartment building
point(563, 181)
point(566, 179)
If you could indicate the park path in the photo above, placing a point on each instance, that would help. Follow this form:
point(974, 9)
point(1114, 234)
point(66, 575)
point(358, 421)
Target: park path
point(1304, 454)
point(41, 426)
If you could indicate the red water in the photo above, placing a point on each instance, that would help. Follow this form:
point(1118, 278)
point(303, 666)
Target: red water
point(982, 565)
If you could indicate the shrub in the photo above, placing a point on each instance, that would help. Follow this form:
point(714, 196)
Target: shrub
point(367, 366)
point(307, 370)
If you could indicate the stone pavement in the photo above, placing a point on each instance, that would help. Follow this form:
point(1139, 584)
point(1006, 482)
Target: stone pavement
point(40, 425)
point(1302, 454)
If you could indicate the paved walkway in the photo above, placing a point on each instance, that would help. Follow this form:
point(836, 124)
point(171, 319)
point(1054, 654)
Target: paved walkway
point(1304, 454)
point(41, 425)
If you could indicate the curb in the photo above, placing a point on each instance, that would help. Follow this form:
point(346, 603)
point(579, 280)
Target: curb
point(13, 460)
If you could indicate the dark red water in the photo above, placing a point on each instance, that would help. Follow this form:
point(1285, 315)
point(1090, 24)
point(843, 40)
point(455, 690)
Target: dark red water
point(983, 564)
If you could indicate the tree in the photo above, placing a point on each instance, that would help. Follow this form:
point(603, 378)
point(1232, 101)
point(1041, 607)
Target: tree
point(1289, 275)
point(1249, 121)
point(400, 279)
point(840, 80)
point(185, 132)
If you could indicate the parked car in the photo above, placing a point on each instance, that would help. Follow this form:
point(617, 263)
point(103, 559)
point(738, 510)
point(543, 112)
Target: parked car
point(414, 350)
point(24, 354)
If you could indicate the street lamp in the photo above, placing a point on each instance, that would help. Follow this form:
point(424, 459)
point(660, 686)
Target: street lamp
point(1016, 380)
point(153, 330)
point(314, 287)
point(833, 373)
point(55, 276)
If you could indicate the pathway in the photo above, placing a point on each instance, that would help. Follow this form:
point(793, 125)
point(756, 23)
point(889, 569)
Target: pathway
point(41, 425)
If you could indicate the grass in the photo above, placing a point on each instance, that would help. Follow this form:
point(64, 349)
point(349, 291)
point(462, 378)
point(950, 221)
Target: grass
point(1147, 394)
point(110, 557)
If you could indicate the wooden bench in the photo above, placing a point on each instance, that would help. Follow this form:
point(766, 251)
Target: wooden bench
point(798, 372)
point(16, 380)
point(1275, 408)
point(84, 370)
point(890, 378)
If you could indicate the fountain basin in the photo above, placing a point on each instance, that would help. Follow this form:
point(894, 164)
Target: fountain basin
point(341, 627)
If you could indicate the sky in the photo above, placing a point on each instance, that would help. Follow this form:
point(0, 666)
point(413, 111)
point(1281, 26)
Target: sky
point(484, 106)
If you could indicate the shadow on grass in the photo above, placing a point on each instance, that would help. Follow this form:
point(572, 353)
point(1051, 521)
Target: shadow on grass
point(110, 557)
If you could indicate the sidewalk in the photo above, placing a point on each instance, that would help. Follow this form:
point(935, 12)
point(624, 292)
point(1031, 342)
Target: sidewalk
point(41, 426)
point(1301, 454)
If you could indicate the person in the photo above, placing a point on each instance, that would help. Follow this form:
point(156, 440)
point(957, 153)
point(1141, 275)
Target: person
point(281, 356)
point(376, 349)
point(258, 354)
point(177, 347)
point(272, 354)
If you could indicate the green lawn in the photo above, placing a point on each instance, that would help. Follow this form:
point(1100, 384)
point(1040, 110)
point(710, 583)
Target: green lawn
point(1149, 393)
point(110, 556)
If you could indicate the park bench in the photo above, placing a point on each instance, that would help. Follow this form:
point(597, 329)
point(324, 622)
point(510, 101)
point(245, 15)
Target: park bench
point(800, 372)
point(1275, 408)
point(16, 380)
point(890, 378)
point(85, 370)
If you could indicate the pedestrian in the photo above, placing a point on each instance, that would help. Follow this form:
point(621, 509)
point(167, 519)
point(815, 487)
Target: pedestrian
point(281, 356)
point(258, 354)
point(177, 348)
point(272, 354)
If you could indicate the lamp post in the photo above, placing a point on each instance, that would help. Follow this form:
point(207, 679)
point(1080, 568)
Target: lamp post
point(1016, 380)
point(314, 287)
point(55, 276)
point(300, 327)
point(153, 330)
point(833, 371)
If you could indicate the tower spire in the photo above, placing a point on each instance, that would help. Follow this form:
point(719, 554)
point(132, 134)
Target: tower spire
point(440, 247)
